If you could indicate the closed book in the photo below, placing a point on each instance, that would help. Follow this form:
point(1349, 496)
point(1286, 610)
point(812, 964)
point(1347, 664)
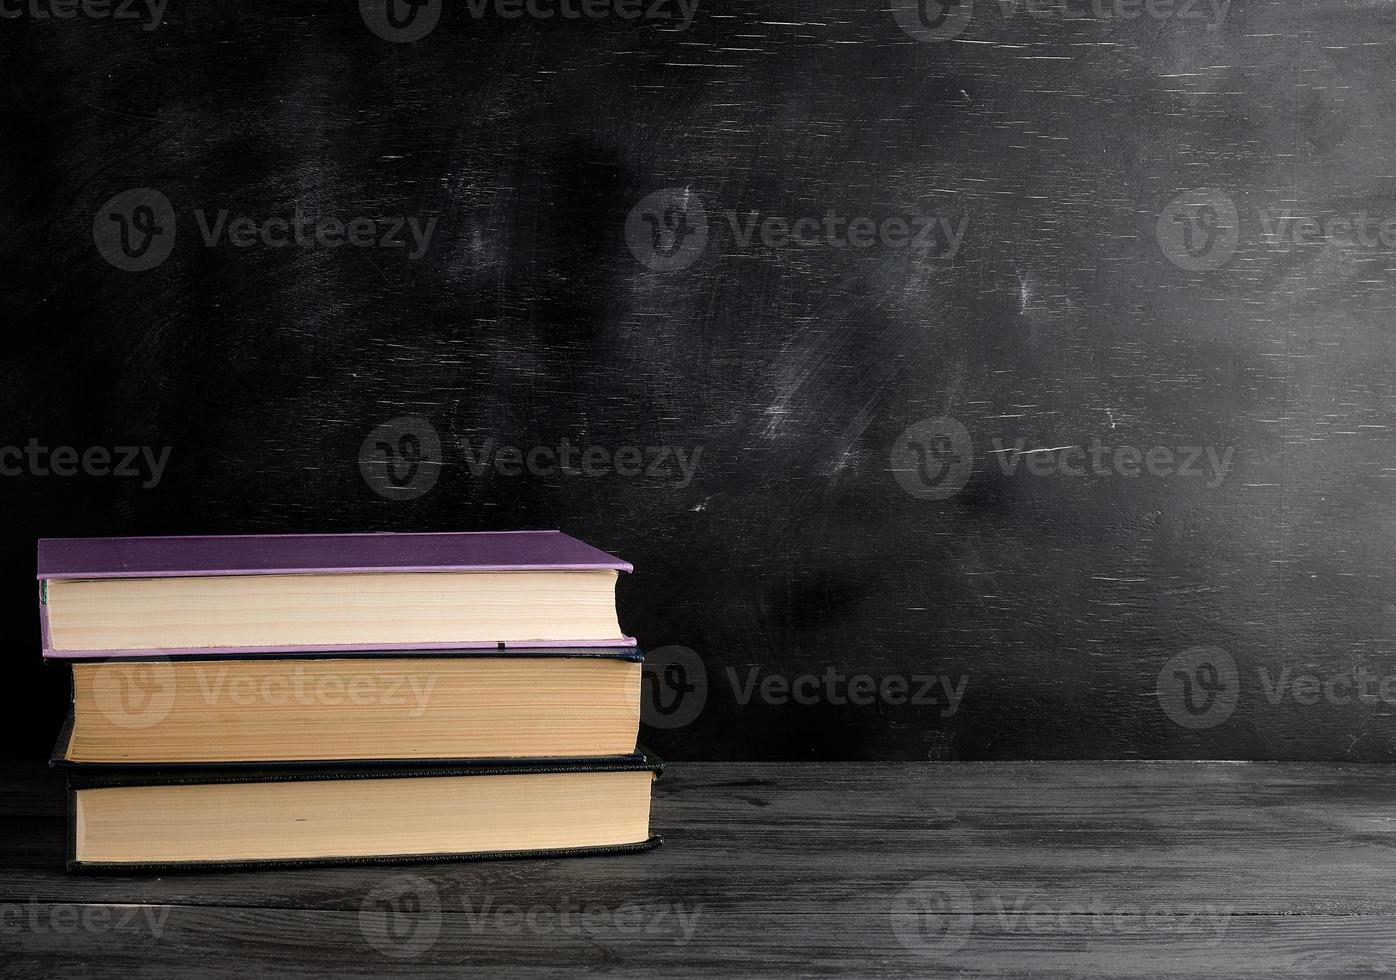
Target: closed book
point(125, 820)
point(384, 707)
point(257, 594)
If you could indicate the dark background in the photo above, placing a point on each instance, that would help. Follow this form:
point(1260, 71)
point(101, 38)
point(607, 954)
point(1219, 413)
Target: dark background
point(794, 549)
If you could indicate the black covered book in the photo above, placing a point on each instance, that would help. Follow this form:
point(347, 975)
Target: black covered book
point(134, 820)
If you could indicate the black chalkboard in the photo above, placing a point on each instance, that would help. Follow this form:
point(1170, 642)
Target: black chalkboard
point(967, 349)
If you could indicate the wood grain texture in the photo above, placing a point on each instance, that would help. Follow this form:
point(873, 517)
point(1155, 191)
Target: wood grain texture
point(793, 549)
point(1055, 869)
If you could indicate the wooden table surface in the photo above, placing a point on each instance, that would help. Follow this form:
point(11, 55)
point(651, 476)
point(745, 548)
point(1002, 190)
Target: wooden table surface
point(1049, 869)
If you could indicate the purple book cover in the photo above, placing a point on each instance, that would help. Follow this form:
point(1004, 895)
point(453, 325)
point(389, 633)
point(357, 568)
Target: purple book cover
point(313, 554)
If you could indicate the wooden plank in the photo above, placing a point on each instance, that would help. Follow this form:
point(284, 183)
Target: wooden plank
point(643, 941)
point(803, 838)
point(1083, 870)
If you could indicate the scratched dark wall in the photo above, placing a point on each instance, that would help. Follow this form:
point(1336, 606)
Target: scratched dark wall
point(1060, 601)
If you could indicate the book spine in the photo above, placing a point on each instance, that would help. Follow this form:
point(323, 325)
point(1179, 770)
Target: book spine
point(70, 846)
point(45, 638)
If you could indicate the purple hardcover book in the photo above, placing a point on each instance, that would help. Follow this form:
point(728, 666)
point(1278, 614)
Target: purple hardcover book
point(313, 554)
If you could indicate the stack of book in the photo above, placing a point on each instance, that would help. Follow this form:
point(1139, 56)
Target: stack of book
point(333, 699)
